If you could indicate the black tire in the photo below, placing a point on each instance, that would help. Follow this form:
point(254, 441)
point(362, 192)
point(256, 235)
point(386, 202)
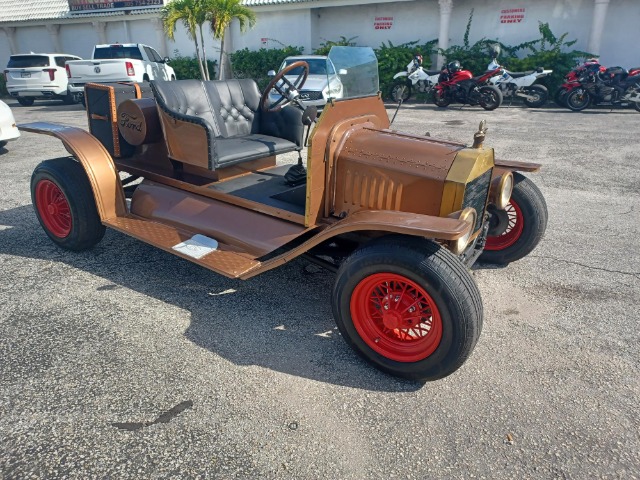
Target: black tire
point(83, 101)
point(25, 101)
point(173, 77)
point(440, 98)
point(577, 100)
point(490, 97)
point(69, 99)
point(636, 105)
point(453, 294)
point(400, 90)
point(75, 223)
point(519, 240)
point(540, 92)
point(560, 96)
point(145, 78)
point(3, 143)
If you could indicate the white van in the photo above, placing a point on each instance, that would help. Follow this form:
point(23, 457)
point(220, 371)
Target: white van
point(36, 76)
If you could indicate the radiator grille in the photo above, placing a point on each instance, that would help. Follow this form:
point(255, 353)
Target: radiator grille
point(475, 195)
point(310, 95)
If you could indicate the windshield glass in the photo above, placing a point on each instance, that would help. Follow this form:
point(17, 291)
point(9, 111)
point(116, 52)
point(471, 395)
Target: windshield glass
point(357, 69)
point(317, 66)
point(28, 61)
point(117, 51)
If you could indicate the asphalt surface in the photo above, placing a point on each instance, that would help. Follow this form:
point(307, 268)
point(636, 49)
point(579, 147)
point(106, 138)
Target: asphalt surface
point(127, 362)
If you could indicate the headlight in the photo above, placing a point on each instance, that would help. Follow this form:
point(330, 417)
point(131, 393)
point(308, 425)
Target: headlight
point(501, 189)
point(469, 216)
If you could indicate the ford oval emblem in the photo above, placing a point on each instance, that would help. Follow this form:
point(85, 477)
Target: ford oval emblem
point(96, 69)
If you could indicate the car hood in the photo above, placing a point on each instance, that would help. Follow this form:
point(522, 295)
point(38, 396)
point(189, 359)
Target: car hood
point(316, 83)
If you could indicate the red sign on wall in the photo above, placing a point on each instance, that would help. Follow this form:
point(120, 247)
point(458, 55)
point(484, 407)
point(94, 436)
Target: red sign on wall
point(383, 23)
point(512, 15)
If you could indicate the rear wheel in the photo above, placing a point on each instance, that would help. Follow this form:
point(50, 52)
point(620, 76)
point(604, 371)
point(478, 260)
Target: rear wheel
point(538, 96)
point(490, 97)
point(408, 306)
point(578, 99)
point(400, 91)
point(636, 105)
point(517, 230)
point(3, 143)
point(69, 99)
point(440, 98)
point(65, 205)
point(25, 101)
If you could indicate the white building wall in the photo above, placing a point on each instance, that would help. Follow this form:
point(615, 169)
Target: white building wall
point(5, 50)
point(621, 36)
point(78, 39)
point(418, 20)
point(33, 39)
point(275, 29)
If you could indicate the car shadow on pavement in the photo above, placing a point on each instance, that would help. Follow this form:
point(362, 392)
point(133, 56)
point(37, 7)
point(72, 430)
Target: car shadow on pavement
point(280, 320)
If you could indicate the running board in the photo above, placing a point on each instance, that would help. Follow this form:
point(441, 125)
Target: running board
point(225, 262)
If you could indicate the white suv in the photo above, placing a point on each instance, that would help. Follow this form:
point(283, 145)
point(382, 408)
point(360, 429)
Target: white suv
point(38, 76)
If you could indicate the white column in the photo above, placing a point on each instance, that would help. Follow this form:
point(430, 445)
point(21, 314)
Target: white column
point(446, 6)
point(597, 26)
point(11, 36)
point(161, 38)
point(127, 34)
point(54, 33)
point(100, 28)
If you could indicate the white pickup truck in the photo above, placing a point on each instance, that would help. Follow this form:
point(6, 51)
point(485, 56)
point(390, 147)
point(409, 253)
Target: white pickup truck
point(120, 62)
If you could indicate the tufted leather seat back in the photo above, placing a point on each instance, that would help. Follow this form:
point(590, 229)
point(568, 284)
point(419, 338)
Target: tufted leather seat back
point(237, 104)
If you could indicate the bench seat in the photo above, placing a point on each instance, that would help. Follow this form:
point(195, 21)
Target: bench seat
point(216, 124)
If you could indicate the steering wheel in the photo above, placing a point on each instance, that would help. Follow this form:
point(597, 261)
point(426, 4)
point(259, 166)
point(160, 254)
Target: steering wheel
point(288, 90)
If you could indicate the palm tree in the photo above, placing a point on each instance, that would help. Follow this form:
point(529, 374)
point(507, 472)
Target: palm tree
point(220, 14)
point(192, 14)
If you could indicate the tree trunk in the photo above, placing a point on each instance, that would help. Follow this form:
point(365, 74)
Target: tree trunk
point(204, 54)
point(195, 39)
point(221, 69)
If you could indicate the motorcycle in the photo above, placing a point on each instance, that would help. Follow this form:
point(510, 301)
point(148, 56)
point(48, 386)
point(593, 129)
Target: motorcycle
point(614, 86)
point(521, 84)
point(458, 85)
point(571, 80)
point(415, 78)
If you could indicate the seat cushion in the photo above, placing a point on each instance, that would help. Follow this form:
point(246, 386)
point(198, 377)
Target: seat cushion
point(250, 147)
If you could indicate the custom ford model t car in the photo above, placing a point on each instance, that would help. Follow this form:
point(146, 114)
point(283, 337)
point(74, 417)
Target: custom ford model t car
point(399, 217)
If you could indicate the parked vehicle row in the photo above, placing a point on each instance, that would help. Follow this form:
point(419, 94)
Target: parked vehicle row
point(38, 76)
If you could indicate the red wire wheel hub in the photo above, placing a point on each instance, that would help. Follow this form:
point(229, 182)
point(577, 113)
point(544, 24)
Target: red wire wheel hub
point(53, 208)
point(396, 317)
point(513, 231)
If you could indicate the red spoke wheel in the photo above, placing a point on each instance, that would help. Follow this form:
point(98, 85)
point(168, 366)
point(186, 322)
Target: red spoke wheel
point(53, 208)
point(524, 221)
point(515, 227)
point(65, 205)
point(408, 306)
point(396, 317)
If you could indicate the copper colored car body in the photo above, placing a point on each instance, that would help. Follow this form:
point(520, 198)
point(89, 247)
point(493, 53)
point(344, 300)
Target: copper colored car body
point(370, 193)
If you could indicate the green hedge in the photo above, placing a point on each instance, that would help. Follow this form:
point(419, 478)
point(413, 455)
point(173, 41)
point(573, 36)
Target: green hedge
point(187, 67)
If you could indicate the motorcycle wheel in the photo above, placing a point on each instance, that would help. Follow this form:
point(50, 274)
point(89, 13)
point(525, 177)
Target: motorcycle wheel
point(400, 90)
point(560, 97)
point(440, 98)
point(490, 97)
point(540, 95)
point(636, 105)
point(578, 100)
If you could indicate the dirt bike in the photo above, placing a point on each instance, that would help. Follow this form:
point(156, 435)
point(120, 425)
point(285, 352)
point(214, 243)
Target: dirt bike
point(521, 84)
point(415, 78)
point(458, 85)
point(614, 86)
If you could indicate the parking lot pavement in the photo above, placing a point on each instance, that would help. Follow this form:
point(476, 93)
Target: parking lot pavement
point(127, 362)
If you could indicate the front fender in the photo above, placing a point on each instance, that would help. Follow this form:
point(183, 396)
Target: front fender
point(97, 163)
point(400, 74)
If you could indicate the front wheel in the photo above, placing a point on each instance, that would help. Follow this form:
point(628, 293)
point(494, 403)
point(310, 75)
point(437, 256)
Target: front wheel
point(515, 231)
point(537, 96)
point(408, 306)
point(560, 96)
point(636, 105)
point(65, 206)
point(440, 98)
point(400, 91)
point(578, 100)
point(490, 97)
